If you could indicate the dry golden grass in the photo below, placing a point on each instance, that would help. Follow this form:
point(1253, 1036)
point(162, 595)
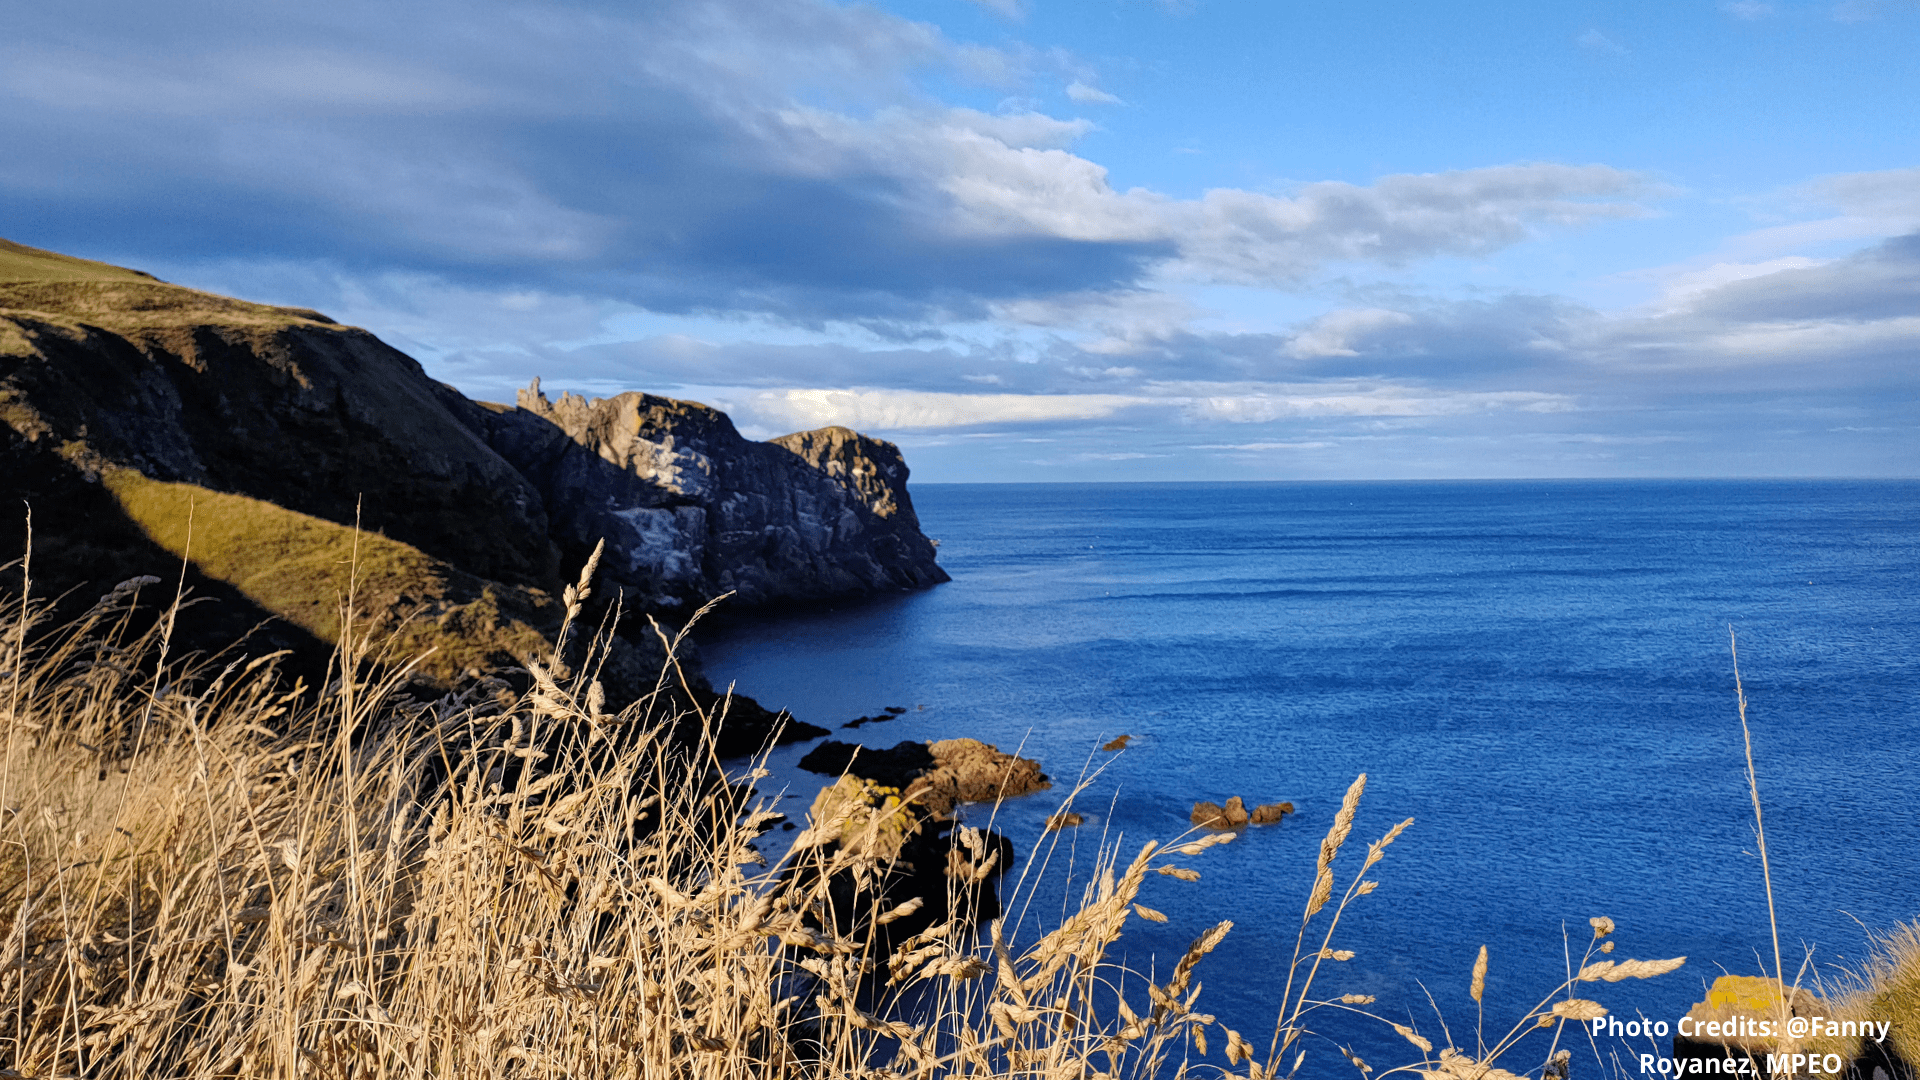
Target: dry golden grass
point(204, 874)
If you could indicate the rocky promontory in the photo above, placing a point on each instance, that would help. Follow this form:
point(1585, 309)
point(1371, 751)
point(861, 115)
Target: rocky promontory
point(288, 462)
point(691, 509)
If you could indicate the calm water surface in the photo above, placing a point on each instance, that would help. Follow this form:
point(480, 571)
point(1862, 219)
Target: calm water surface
point(1538, 673)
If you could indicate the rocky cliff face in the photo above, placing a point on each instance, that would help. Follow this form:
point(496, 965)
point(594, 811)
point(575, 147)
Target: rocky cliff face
point(266, 427)
point(691, 509)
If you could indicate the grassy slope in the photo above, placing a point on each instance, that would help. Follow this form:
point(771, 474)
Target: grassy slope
point(18, 262)
point(290, 564)
point(301, 567)
point(49, 283)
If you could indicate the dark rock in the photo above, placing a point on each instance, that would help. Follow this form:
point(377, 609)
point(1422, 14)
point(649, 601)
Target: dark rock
point(894, 768)
point(1119, 742)
point(951, 869)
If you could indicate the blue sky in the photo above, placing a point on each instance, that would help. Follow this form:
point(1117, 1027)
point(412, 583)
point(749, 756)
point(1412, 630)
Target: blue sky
point(1041, 240)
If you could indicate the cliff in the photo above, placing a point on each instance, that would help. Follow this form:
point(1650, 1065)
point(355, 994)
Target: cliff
point(691, 509)
point(145, 423)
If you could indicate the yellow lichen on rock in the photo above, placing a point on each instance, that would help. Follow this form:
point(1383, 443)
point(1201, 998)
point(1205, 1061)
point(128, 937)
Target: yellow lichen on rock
point(864, 816)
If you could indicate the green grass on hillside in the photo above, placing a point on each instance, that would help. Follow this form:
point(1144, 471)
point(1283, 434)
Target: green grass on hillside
point(298, 567)
point(18, 262)
point(48, 283)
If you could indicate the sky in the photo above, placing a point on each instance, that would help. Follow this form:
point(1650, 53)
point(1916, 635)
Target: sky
point(1039, 240)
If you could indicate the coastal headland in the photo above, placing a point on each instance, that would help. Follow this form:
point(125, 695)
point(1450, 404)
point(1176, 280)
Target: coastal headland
point(292, 464)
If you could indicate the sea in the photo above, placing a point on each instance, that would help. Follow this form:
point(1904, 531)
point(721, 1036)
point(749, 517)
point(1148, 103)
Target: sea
point(1541, 674)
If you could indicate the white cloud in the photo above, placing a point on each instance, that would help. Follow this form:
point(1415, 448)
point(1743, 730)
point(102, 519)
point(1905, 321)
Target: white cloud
point(1595, 41)
point(1681, 287)
point(894, 410)
point(1890, 197)
point(1259, 405)
point(1011, 9)
point(1261, 446)
point(1081, 92)
point(1337, 332)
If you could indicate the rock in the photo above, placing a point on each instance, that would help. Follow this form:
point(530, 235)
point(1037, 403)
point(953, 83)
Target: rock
point(1119, 742)
point(1234, 814)
point(1209, 815)
point(863, 817)
point(1735, 996)
point(1065, 819)
point(938, 775)
point(691, 509)
point(968, 770)
point(895, 768)
point(1270, 813)
point(950, 869)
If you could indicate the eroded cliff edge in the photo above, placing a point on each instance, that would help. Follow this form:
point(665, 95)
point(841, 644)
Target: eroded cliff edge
point(691, 509)
point(145, 422)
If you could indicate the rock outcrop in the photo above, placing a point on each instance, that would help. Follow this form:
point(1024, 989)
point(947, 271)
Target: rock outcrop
point(690, 508)
point(938, 775)
point(1235, 814)
point(1723, 1033)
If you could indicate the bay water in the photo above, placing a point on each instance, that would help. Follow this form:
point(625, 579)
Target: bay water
point(1538, 673)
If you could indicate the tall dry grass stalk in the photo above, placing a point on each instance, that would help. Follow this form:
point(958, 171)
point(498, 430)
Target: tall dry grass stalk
point(205, 872)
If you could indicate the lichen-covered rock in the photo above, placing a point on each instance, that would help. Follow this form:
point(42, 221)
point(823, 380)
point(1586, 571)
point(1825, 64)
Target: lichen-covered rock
point(690, 508)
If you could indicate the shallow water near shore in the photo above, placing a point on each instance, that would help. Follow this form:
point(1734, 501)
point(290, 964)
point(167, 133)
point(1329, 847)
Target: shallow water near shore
point(1537, 672)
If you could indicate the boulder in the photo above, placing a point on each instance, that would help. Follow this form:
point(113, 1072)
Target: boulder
point(1234, 814)
point(1270, 813)
point(1721, 1025)
point(1118, 742)
point(1209, 815)
point(968, 770)
point(1065, 819)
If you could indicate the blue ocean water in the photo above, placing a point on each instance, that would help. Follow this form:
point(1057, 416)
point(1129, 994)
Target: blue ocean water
point(1537, 672)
